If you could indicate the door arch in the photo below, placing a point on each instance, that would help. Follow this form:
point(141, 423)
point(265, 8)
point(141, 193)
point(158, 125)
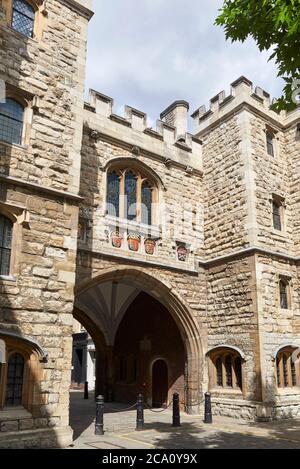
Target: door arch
point(160, 383)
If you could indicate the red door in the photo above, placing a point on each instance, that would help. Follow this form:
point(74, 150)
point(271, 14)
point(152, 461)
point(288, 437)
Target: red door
point(159, 383)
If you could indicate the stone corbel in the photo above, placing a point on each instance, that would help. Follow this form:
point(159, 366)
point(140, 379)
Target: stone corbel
point(35, 103)
point(95, 135)
point(136, 151)
point(189, 170)
point(168, 162)
point(24, 218)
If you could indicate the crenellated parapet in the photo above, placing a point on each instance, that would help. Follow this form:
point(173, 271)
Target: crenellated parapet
point(242, 93)
point(169, 140)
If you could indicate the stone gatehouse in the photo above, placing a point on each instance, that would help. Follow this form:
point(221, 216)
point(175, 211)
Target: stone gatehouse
point(178, 252)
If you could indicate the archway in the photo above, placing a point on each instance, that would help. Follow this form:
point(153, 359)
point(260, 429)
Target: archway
point(105, 301)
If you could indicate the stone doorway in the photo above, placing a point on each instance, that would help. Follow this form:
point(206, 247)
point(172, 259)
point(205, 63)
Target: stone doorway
point(160, 383)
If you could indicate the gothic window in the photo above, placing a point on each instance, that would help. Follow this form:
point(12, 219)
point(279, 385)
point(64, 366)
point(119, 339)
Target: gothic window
point(146, 203)
point(14, 382)
point(6, 228)
point(23, 17)
point(130, 195)
point(277, 212)
point(226, 369)
point(283, 292)
point(113, 194)
point(11, 121)
point(270, 143)
point(287, 368)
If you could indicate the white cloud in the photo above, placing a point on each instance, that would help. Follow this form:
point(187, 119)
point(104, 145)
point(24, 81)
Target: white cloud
point(149, 53)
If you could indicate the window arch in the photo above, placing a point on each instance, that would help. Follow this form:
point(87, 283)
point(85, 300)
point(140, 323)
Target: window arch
point(23, 15)
point(11, 121)
point(131, 195)
point(287, 368)
point(6, 229)
point(226, 368)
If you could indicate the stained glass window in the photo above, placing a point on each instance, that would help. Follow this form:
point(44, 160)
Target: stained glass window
point(23, 17)
point(146, 203)
point(130, 195)
point(14, 384)
point(276, 215)
point(113, 194)
point(11, 121)
point(6, 227)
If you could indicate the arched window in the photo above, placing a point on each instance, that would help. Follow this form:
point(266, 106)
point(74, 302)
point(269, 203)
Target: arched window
point(6, 228)
point(11, 121)
point(283, 292)
point(226, 369)
point(287, 369)
point(14, 381)
point(23, 17)
point(130, 195)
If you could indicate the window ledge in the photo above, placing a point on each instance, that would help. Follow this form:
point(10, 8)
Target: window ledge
point(14, 145)
point(14, 414)
point(137, 227)
point(289, 391)
point(33, 39)
point(281, 233)
point(226, 391)
point(8, 278)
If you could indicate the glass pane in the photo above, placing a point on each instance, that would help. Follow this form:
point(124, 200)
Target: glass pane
point(270, 147)
point(146, 203)
point(23, 17)
point(238, 371)
point(279, 384)
point(285, 371)
point(5, 244)
point(11, 121)
point(276, 216)
point(283, 295)
point(113, 194)
point(228, 371)
point(130, 195)
point(14, 384)
point(219, 372)
point(293, 369)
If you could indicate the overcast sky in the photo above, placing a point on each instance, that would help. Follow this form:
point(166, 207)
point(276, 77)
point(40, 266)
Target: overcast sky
point(149, 53)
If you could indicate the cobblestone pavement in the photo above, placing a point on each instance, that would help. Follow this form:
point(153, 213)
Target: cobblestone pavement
point(120, 431)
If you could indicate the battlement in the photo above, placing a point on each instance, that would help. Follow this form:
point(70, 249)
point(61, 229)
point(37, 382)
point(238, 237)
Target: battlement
point(241, 92)
point(171, 128)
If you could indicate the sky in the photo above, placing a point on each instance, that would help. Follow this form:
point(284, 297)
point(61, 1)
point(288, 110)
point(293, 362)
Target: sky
point(149, 53)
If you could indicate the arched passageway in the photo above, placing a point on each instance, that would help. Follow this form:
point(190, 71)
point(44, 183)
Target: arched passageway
point(136, 320)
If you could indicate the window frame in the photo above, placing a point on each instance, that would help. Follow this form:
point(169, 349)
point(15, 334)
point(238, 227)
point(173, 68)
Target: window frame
point(141, 178)
point(222, 353)
point(270, 131)
point(279, 201)
point(20, 103)
point(287, 352)
point(39, 18)
point(283, 279)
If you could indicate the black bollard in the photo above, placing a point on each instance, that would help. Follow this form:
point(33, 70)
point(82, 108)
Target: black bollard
point(176, 410)
point(86, 390)
point(140, 413)
point(207, 409)
point(99, 415)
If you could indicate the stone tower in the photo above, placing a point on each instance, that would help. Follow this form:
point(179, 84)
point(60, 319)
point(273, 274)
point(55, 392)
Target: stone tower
point(43, 54)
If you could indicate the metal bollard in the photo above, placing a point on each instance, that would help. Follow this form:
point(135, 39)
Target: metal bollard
point(176, 410)
point(86, 390)
point(207, 409)
point(99, 415)
point(140, 413)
